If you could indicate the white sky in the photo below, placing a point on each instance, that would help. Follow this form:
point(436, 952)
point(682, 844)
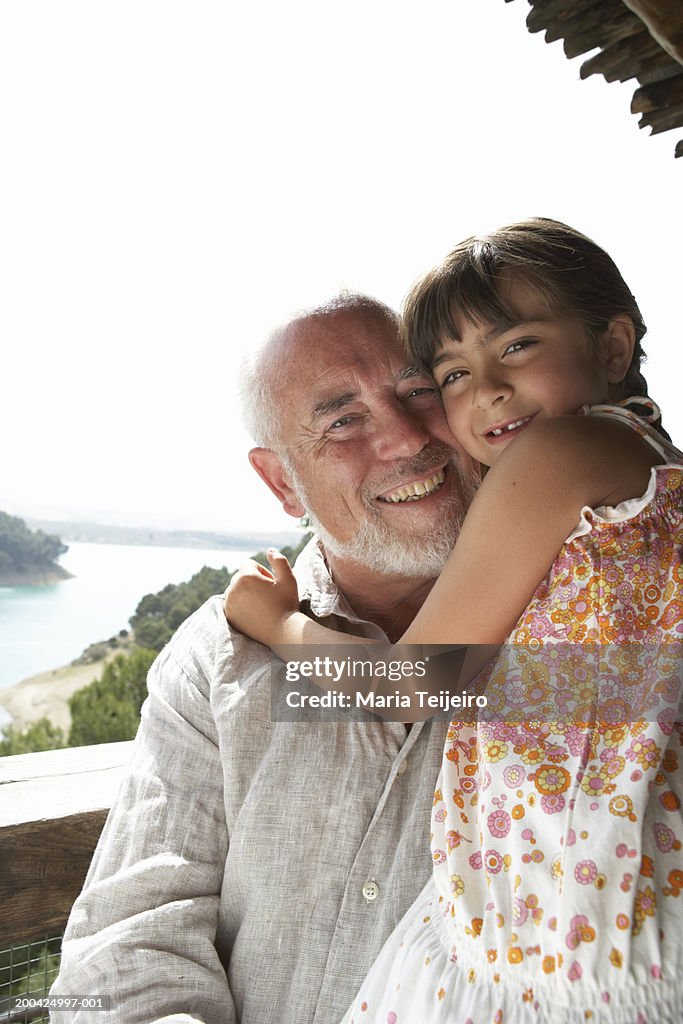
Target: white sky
point(176, 178)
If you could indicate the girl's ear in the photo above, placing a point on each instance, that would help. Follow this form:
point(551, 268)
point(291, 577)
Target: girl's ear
point(617, 344)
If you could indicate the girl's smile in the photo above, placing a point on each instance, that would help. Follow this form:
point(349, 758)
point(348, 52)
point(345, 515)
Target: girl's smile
point(503, 432)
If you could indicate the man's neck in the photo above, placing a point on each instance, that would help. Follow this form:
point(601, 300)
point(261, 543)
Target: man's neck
point(391, 602)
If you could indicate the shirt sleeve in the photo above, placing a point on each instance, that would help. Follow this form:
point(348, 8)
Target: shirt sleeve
point(143, 929)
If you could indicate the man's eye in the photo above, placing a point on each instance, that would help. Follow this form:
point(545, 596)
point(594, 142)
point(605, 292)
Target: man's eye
point(343, 421)
point(426, 390)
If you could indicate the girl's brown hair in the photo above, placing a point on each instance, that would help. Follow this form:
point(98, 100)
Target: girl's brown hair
point(573, 275)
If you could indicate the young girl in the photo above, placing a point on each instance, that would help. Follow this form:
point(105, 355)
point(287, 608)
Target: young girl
point(556, 843)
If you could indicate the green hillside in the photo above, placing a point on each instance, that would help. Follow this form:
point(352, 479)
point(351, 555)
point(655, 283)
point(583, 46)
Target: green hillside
point(28, 556)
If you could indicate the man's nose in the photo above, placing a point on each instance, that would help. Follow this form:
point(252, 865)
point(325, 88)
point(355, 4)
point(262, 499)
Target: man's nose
point(399, 434)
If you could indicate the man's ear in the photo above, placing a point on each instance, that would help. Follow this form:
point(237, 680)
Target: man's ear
point(618, 343)
point(268, 466)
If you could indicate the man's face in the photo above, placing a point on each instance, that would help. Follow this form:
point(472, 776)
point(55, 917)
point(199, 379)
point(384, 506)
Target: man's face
point(367, 447)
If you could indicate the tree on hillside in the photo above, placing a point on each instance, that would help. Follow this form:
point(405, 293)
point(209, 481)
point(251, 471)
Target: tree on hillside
point(104, 711)
point(21, 548)
point(108, 709)
point(40, 735)
point(157, 616)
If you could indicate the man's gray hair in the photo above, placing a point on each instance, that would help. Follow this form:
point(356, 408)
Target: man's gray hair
point(259, 410)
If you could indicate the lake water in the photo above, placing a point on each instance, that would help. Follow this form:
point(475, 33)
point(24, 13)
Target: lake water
point(42, 627)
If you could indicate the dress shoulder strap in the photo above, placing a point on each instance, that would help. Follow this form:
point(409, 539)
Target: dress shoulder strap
point(641, 422)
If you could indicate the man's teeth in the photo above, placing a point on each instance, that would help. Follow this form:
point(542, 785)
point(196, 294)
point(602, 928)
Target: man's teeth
point(417, 490)
point(511, 426)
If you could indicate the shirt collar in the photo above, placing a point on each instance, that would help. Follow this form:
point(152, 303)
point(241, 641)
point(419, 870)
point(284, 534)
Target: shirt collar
point(319, 591)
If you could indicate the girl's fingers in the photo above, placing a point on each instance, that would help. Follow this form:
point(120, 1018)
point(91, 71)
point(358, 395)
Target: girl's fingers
point(281, 568)
point(252, 568)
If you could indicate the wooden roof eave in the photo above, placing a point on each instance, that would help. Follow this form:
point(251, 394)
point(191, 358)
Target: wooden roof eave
point(641, 39)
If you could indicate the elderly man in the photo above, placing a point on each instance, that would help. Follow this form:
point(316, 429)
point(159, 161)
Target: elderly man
point(251, 870)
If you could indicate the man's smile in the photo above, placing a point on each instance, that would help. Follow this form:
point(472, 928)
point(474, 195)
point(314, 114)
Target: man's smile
point(416, 490)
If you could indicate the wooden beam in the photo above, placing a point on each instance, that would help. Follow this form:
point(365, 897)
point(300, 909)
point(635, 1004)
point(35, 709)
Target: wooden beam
point(53, 806)
point(591, 20)
point(546, 12)
point(44, 864)
point(586, 34)
point(657, 69)
point(58, 783)
point(622, 59)
point(664, 22)
point(664, 119)
point(659, 94)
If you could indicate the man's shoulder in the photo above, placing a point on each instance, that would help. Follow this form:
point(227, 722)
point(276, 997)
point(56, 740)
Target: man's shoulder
point(206, 625)
point(205, 645)
point(210, 676)
point(207, 649)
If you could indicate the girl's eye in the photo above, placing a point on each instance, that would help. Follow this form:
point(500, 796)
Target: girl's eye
point(453, 377)
point(518, 346)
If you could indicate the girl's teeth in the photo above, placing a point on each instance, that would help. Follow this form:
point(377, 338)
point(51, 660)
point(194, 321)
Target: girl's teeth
point(510, 426)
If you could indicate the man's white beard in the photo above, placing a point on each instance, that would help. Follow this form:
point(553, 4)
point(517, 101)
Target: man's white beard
point(388, 552)
point(376, 548)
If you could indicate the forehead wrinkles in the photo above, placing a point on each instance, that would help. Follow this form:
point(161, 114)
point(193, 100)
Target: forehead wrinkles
point(349, 372)
point(342, 389)
point(331, 362)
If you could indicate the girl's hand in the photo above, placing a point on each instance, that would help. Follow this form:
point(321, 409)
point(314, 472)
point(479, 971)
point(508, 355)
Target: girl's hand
point(259, 602)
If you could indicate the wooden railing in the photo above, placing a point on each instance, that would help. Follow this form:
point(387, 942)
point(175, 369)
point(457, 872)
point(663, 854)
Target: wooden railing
point(52, 809)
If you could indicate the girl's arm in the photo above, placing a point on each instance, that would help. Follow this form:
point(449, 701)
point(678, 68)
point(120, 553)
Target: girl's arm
point(524, 510)
point(527, 506)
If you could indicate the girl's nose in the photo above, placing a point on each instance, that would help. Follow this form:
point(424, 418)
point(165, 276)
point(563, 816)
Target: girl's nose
point(490, 390)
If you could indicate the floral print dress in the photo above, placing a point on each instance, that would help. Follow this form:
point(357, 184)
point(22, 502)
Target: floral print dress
point(557, 889)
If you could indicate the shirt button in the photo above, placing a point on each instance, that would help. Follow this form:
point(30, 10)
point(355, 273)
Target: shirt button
point(402, 767)
point(370, 890)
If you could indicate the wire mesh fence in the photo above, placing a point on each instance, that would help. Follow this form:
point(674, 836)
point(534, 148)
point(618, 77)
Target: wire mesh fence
point(27, 972)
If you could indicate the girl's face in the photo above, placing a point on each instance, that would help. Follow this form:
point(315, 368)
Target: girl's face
point(499, 378)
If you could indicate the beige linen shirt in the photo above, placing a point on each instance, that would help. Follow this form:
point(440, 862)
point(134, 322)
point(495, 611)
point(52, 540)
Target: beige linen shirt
point(231, 880)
